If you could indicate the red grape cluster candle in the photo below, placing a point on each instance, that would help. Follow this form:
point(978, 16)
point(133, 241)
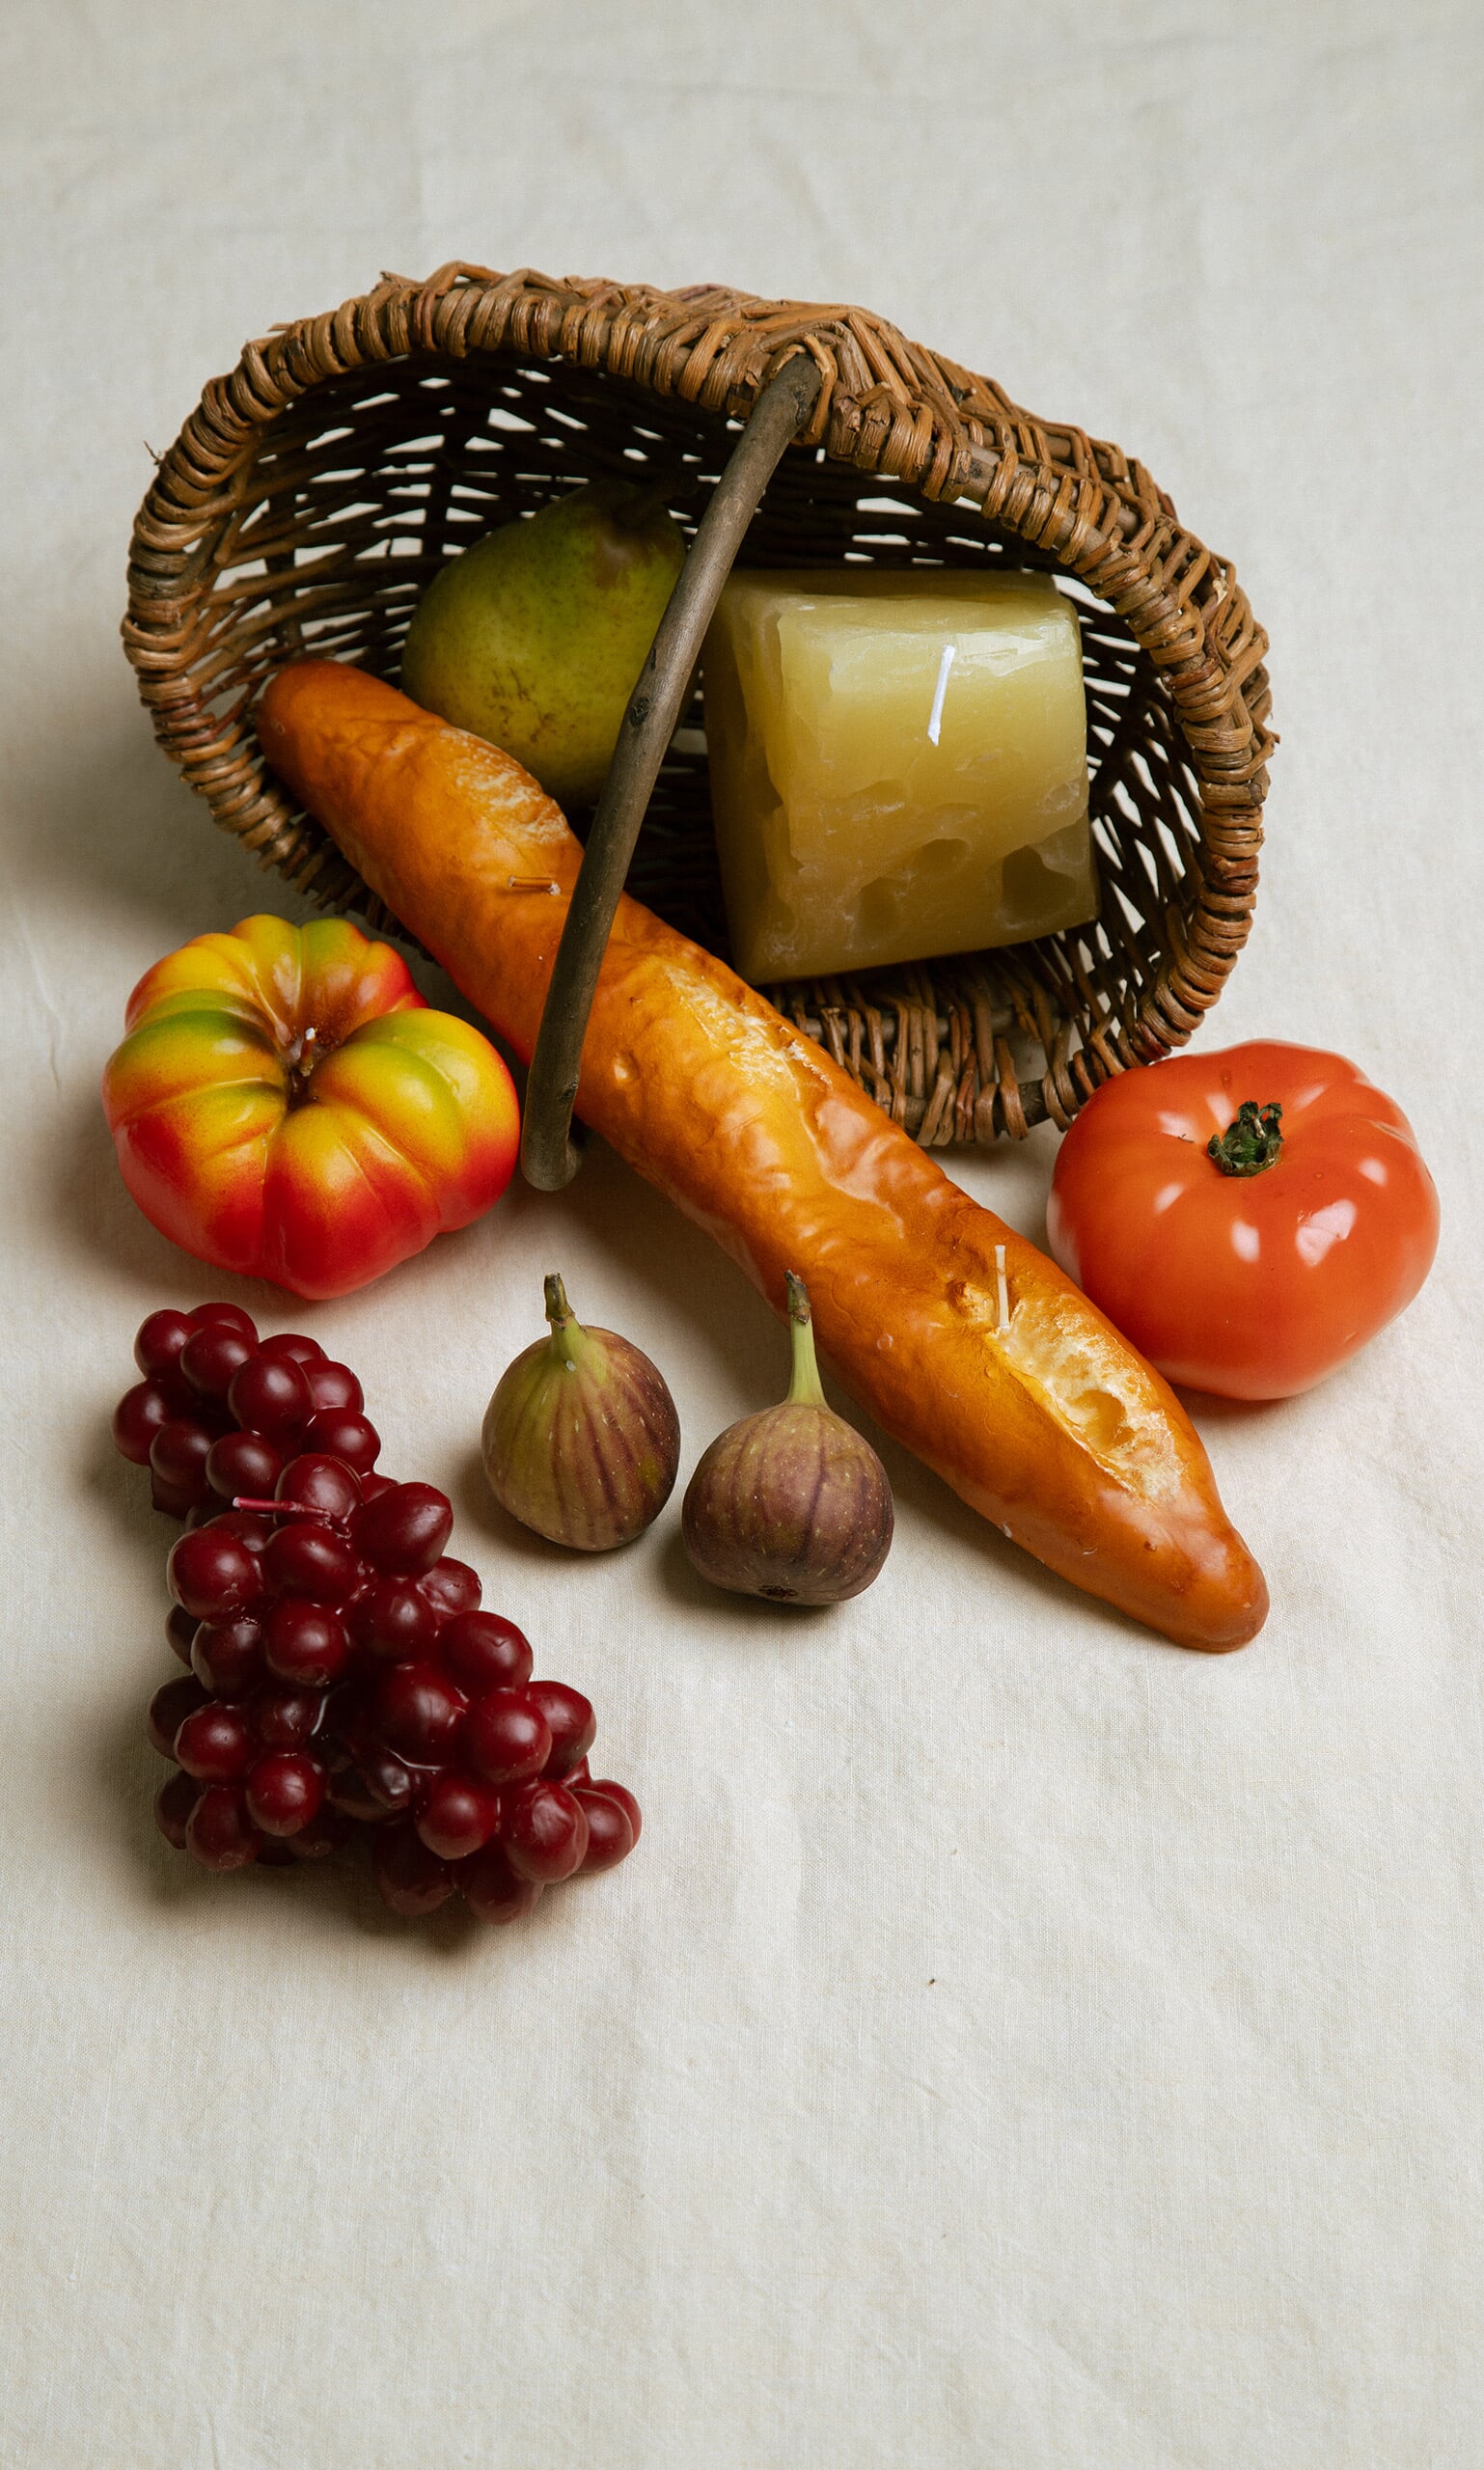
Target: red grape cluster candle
point(343, 1676)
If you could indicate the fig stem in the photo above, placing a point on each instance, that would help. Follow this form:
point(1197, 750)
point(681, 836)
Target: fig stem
point(566, 1327)
point(805, 1388)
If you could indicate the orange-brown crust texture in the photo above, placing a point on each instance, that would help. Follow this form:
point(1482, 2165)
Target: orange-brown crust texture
point(1044, 1420)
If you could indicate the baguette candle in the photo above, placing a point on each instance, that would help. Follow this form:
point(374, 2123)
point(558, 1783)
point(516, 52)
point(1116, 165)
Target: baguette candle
point(899, 766)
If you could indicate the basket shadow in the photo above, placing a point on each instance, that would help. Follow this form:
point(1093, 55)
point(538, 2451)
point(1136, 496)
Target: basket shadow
point(101, 812)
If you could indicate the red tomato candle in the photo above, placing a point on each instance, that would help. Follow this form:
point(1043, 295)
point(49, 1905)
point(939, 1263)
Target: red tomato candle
point(287, 1106)
point(1248, 1219)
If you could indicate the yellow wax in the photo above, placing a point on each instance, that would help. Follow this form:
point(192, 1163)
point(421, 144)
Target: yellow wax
point(899, 766)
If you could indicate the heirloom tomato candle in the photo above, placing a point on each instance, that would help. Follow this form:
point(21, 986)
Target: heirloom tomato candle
point(1250, 1218)
point(287, 1106)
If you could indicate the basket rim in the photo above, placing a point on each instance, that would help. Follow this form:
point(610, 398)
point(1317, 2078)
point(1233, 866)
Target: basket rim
point(888, 408)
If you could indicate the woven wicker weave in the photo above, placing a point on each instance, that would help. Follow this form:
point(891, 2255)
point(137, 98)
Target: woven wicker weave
point(316, 490)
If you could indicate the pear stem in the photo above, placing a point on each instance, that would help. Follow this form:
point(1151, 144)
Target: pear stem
point(641, 507)
point(805, 1388)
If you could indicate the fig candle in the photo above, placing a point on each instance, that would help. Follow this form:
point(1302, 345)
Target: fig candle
point(898, 765)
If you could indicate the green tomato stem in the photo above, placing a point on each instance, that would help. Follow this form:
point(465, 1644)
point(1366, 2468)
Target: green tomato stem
point(804, 1388)
point(1251, 1142)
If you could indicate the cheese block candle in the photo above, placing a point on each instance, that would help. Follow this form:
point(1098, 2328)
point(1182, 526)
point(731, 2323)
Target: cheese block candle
point(898, 765)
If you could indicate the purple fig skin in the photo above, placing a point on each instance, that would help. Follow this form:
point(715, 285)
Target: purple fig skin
point(581, 1440)
point(791, 1504)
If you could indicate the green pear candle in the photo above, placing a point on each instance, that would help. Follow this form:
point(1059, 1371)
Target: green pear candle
point(898, 765)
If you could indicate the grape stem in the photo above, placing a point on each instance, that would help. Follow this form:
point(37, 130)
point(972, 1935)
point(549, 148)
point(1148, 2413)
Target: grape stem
point(284, 1509)
point(805, 1388)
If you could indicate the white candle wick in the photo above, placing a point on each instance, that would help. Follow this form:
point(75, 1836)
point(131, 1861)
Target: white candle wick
point(939, 692)
point(1003, 1292)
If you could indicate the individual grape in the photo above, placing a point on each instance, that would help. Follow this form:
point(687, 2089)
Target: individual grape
point(308, 1644)
point(284, 1719)
point(323, 1834)
point(492, 1889)
point(178, 1454)
point(412, 1881)
point(225, 1316)
point(137, 1418)
point(374, 1486)
point(340, 1432)
point(610, 1834)
point(484, 1650)
point(543, 1832)
point(319, 1483)
point(404, 1530)
point(581, 1773)
point(620, 1793)
point(457, 1817)
point(227, 1656)
point(168, 1709)
point(294, 1345)
point(284, 1792)
point(332, 1385)
point(393, 1618)
point(180, 1629)
point(174, 1803)
point(211, 1356)
point(213, 1745)
point(308, 1558)
point(243, 1462)
point(505, 1738)
point(158, 1340)
point(351, 1797)
point(416, 1712)
point(452, 1586)
point(269, 1395)
point(570, 1722)
point(213, 1575)
point(389, 1781)
point(256, 1531)
point(219, 1834)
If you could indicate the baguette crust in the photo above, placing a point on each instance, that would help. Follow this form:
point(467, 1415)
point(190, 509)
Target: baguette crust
point(1047, 1424)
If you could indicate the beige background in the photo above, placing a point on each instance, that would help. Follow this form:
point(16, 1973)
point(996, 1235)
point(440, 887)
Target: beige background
point(1017, 2044)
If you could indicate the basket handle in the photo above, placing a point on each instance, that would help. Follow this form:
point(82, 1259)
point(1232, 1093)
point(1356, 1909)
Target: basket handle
point(548, 1157)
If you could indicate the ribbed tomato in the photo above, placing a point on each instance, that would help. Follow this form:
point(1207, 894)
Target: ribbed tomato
point(286, 1105)
point(1249, 1219)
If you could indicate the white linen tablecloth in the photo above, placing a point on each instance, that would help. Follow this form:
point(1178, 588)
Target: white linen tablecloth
point(1016, 2044)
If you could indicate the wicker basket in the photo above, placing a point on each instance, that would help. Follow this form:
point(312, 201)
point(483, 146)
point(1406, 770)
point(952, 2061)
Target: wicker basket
point(316, 490)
